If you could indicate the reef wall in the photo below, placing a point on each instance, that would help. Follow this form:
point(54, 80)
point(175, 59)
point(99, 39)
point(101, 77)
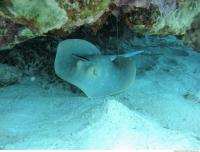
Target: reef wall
point(27, 19)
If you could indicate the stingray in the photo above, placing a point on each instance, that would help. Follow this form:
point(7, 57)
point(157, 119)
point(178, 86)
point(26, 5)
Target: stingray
point(80, 63)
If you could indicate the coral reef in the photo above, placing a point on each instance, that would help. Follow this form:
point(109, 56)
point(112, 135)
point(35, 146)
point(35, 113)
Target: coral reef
point(163, 17)
point(192, 35)
point(25, 19)
point(178, 21)
point(160, 17)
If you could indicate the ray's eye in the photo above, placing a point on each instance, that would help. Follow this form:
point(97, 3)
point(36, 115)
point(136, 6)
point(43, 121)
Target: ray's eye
point(92, 70)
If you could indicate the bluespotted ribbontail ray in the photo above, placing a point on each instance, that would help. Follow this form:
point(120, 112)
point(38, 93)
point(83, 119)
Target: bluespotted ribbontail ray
point(80, 63)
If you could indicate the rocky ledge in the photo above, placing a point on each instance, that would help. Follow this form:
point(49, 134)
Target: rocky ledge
point(21, 20)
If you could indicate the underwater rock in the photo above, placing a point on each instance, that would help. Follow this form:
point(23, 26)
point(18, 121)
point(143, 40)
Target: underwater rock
point(160, 17)
point(12, 33)
point(9, 75)
point(192, 36)
point(26, 19)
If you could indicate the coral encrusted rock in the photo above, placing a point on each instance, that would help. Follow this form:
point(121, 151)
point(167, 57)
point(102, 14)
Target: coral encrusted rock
point(192, 35)
point(160, 17)
point(21, 20)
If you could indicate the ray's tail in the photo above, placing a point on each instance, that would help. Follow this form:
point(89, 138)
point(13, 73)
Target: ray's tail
point(128, 54)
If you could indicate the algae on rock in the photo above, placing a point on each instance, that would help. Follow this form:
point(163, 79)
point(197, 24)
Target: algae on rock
point(176, 22)
point(192, 36)
point(21, 20)
point(44, 15)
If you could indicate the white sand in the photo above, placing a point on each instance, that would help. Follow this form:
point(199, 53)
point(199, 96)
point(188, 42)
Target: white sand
point(159, 111)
